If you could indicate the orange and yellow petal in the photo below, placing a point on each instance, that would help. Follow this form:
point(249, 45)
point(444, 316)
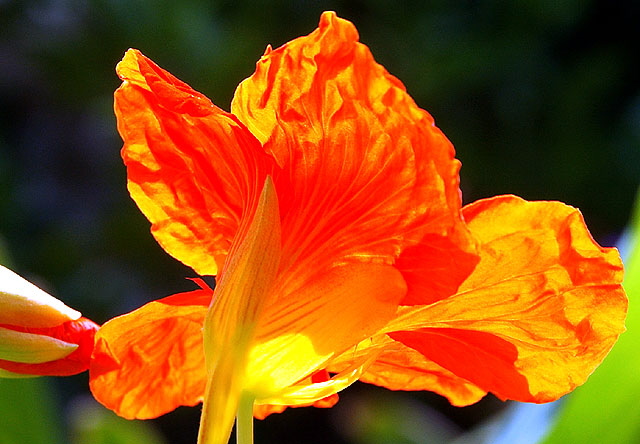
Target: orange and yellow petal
point(151, 361)
point(261, 411)
point(434, 269)
point(538, 314)
point(365, 173)
point(410, 370)
point(232, 319)
point(301, 330)
point(398, 367)
point(192, 168)
point(486, 360)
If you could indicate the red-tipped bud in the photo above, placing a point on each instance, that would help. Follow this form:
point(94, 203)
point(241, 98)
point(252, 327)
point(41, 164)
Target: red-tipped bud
point(39, 335)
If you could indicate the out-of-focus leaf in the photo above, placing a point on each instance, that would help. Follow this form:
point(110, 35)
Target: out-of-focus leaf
point(27, 412)
point(93, 424)
point(390, 418)
point(606, 410)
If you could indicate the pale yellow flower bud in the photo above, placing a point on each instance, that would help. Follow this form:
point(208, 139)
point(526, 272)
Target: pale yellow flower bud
point(25, 305)
point(29, 320)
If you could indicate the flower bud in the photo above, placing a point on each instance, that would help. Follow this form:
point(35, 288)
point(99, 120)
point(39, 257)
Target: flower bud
point(40, 335)
point(25, 304)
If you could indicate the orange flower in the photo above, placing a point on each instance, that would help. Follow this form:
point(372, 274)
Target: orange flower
point(328, 205)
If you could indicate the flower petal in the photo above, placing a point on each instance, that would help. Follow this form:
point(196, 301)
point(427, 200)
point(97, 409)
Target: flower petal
point(398, 367)
point(309, 392)
point(434, 269)
point(540, 311)
point(482, 358)
point(365, 171)
point(193, 169)
point(261, 411)
point(303, 329)
point(150, 361)
point(232, 319)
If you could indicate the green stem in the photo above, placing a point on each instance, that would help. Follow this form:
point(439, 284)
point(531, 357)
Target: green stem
point(244, 420)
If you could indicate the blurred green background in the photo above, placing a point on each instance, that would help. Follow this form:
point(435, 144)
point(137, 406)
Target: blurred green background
point(541, 99)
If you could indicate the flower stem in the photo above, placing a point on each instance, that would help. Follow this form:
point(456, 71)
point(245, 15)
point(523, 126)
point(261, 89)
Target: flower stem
point(244, 420)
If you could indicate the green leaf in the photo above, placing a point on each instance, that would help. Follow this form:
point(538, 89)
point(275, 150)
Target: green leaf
point(606, 410)
point(90, 423)
point(28, 412)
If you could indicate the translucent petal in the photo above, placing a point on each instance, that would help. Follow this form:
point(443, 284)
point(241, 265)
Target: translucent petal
point(193, 169)
point(301, 330)
point(150, 361)
point(232, 319)
point(538, 314)
point(398, 367)
point(365, 173)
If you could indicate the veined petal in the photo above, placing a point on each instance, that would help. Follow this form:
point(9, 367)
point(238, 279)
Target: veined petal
point(365, 172)
point(261, 411)
point(193, 169)
point(540, 311)
point(300, 331)
point(434, 269)
point(246, 281)
point(482, 358)
point(233, 317)
point(308, 393)
point(398, 367)
point(151, 361)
